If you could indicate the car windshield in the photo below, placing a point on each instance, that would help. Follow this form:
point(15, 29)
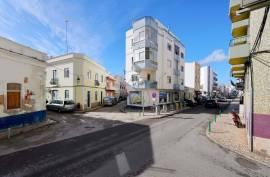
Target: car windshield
point(107, 98)
point(56, 102)
point(69, 102)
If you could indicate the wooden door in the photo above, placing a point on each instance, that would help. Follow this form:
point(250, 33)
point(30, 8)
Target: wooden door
point(13, 100)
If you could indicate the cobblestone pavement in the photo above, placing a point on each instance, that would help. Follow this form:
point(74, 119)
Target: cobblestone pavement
point(229, 136)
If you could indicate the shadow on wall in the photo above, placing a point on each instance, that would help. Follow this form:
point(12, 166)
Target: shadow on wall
point(123, 150)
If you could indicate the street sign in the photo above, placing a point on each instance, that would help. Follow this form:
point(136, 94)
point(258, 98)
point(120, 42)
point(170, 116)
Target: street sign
point(154, 95)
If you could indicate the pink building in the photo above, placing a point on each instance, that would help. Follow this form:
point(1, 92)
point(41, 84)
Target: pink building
point(110, 86)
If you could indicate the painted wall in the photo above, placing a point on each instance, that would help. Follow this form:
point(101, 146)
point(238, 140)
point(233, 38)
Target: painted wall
point(27, 69)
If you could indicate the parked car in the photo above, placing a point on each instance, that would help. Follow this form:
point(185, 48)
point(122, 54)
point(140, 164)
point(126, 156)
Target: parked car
point(109, 101)
point(211, 104)
point(61, 106)
point(222, 99)
point(189, 103)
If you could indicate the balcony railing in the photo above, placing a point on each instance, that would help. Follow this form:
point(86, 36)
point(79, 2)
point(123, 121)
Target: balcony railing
point(239, 41)
point(248, 3)
point(145, 65)
point(145, 84)
point(54, 81)
point(176, 86)
point(176, 72)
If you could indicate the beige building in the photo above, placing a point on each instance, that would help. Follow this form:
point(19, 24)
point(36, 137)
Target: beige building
point(22, 85)
point(76, 77)
point(250, 65)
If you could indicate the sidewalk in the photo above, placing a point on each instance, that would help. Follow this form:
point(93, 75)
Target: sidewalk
point(224, 133)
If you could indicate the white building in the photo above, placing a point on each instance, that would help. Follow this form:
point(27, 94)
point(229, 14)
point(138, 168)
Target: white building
point(154, 63)
point(22, 85)
point(120, 85)
point(75, 77)
point(208, 80)
point(192, 75)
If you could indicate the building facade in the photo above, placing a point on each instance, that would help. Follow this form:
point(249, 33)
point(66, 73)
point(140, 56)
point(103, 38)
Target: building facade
point(192, 75)
point(121, 88)
point(110, 85)
point(75, 77)
point(208, 81)
point(249, 59)
point(22, 85)
point(154, 64)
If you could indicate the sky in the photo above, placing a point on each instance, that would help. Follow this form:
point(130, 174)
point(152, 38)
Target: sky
point(97, 28)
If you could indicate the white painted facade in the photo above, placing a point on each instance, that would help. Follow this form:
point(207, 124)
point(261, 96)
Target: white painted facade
point(208, 80)
point(22, 79)
point(75, 77)
point(154, 62)
point(192, 75)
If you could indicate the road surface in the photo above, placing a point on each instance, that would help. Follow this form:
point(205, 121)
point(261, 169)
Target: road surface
point(171, 147)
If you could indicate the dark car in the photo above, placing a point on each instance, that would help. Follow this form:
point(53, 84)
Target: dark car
point(61, 106)
point(189, 103)
point(109, 101)
point(211, 104)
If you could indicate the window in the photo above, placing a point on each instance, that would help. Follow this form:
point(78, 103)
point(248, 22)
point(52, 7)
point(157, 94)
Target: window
point(141, 36)
point(132, 60)
point(169, 79)
point(182, 68)
point(13, 96)
point(54, 94)
point(148, 77)
point(142, 55)
point(134, 78)
point(89, 74)
point(169, 46)
point(176, 50)
point(96, 95)
point(147, 53)
point(101, 78)
point(96, 77)
point(66, 94)
point(182, 82)
point(169, 63)
point(182, 55)
point(54, 74)
point(66, 72)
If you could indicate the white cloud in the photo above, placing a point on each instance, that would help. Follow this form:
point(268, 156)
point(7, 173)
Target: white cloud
point(216, 56)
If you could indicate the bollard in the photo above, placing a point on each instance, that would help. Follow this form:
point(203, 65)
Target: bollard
point(209, 126)
point(215, 118)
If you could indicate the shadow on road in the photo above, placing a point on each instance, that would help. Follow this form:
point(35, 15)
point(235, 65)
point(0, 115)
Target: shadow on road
point(118, 151)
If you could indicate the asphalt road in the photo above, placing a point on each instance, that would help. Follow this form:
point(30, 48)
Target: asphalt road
point(171, 147)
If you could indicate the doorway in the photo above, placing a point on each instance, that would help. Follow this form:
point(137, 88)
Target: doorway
point(88, 99)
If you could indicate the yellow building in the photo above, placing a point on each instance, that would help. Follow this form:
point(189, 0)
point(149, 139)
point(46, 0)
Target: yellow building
point(76, 77)
point(249, 57)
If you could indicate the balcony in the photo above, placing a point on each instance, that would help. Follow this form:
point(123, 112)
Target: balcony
point(143, 44)
point(240, 28)
point(176, 87)
point(238, 74)
point(240, 67)
point(176, 72)
point(145, 84)
point(146, 65)
point(239, 50)
point(110, 87)
point(177, 57)
point(252, 3)
point(235, 5)
point(54, 81)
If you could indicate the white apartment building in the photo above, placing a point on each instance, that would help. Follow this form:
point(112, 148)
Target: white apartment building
point(192, 75)
point(75, 77)
point(154, 64)
point(208, 80)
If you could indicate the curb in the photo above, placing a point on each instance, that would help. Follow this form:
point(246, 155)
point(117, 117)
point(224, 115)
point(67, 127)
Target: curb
point(237, 152)
point(170, 114)
point(21, 130)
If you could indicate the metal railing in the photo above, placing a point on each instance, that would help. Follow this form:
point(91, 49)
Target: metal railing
point(54, 81)
point(239, 41)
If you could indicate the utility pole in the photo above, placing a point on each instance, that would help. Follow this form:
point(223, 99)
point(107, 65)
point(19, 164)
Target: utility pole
point(66, 21)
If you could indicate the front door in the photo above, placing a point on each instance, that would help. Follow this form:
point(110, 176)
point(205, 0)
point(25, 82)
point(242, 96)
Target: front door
point(101, 97)
point(88, 99)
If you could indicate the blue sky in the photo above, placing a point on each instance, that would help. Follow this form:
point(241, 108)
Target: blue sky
point(97, 27)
